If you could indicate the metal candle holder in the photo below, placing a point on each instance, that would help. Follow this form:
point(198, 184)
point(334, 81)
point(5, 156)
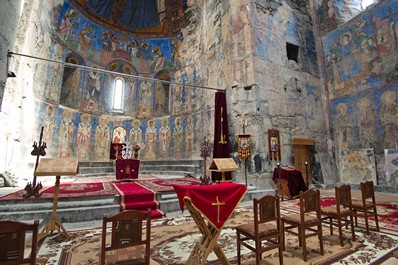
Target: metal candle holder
point(32, 189)
point(306, 173)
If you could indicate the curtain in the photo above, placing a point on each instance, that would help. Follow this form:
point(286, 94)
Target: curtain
point(221, 140)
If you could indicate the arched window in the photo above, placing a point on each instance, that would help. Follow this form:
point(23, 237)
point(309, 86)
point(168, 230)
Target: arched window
point(118, 94)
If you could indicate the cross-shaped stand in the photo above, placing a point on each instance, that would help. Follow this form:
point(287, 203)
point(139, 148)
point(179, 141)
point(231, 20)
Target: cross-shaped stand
point(208, 242)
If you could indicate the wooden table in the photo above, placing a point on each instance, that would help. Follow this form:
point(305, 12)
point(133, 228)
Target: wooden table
point(210, 207)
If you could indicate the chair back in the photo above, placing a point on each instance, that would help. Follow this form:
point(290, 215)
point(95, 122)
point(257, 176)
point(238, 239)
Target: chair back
point(367, 190)
point(127, 231)
point(343, 196)
point(310, 201)
point(266, 209)
point(12, 242)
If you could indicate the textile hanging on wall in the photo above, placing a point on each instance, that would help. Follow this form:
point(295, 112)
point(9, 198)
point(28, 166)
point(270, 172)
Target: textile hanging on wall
point(221, 141)
point(244, 146)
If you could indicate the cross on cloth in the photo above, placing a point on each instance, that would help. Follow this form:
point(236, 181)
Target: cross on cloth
point(218, 204)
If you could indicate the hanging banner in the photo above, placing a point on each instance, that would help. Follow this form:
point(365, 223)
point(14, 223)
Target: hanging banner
point(244, 146)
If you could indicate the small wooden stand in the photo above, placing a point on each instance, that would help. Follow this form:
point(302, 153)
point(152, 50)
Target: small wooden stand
point(56, 167)
point(208, 242)
point(223, 165)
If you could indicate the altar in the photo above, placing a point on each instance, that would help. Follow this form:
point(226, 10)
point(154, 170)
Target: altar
point(127, 169)
point(294, 178)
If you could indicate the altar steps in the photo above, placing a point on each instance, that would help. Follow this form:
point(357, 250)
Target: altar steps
point(163, 168)
point(69, 210)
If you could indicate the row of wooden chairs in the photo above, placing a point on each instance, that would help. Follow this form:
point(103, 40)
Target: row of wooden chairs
point(127, 241)
point(269, 226)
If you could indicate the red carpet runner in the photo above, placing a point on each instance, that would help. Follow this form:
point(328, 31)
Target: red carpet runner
point(135, 197)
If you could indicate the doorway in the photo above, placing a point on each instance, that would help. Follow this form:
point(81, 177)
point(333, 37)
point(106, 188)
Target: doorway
point(301, 149)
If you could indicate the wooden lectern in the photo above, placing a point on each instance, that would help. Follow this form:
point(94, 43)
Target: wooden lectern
point(223, 165)
point(56, 167)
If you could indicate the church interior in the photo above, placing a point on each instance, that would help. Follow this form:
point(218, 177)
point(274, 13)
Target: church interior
point(104, 103)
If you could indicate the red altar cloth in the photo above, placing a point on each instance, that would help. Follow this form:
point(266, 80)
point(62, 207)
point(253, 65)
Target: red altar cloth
point(127, 168)
point(215, 202)
point(295, 181)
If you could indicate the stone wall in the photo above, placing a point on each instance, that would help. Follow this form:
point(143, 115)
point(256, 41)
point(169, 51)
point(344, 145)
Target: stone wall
point(361, 66)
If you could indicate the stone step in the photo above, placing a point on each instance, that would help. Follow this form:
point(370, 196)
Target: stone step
point(85, 170)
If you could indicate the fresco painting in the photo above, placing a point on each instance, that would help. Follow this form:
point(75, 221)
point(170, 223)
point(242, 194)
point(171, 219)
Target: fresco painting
point(356, 166)
point(391, 157)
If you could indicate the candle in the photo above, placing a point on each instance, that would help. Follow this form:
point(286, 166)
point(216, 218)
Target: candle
point(277, 164)
point(306, 162)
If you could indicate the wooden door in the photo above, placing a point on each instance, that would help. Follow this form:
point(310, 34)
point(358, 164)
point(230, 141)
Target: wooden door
point(301, 148)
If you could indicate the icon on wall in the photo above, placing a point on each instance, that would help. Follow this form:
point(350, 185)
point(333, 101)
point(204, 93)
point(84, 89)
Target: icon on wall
point(274, 145)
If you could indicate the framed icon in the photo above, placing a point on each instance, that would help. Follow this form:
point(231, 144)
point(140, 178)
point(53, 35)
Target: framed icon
point(274, 145)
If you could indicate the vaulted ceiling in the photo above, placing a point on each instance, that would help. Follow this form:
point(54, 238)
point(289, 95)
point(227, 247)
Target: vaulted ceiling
point(153, 17)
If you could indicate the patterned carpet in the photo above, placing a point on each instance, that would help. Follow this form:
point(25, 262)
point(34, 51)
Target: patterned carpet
point(173, 239)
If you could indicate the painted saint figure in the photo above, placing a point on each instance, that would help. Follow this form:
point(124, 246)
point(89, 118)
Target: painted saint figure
point(388, 117)
point(150, 140)
point(49, 127)
point(135, 136)
point(66, 130)
point(102, 139)
point(93, 95)
point(366, 119)
point(84, 137)
point(145, 99)
point(189, 136)
point(178, 137)
point(345, 132)
point(164, 138)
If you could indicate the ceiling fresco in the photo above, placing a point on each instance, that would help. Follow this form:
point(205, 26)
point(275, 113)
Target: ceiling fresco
point(149, 17)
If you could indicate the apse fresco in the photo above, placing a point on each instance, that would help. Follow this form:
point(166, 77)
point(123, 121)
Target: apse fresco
point(363, 54)
point(367, 119)
point(159, 138)
point(357, 166)
point(101, 44)
point(326, 15)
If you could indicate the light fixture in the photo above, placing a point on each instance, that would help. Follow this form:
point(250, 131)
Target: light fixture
point(11, 74)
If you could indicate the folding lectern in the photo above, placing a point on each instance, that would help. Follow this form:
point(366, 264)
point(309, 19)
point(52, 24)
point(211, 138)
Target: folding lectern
point(223, 165)
point(56, 167)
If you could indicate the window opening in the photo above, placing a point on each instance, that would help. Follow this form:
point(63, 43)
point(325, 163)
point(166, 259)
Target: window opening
point(292, 51)
point(118, 94)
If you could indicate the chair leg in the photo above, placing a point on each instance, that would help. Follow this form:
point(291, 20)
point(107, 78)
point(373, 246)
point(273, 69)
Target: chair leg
point(320, 238)
point(340, 232)
point(238, 246)
point(280, 255)
point(331, 225)
point(352, 228)
point(283, 235)
point(258, 253)
point(366, 221)
point(376, 220)
point(302, 243)
point(355, 216)
point(300, 236)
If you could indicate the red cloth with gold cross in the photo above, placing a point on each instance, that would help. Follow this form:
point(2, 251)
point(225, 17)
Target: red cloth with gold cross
point(215, 202)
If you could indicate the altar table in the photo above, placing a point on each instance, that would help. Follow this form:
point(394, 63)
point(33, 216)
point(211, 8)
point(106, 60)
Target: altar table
point(210, 207)
point(127, 168)
point(295, 181)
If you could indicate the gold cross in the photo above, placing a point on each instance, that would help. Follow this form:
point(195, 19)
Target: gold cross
point(218, 204)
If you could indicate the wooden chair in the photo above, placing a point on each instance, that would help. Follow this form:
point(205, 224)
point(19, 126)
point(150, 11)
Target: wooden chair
point(265, 227)
point(338, 214)
point(367, 205)
point(308, 218)
point(127, 245)
point(12, 242)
